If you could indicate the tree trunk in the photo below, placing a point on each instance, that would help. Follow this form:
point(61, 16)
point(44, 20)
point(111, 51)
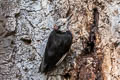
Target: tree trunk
point(25, 26)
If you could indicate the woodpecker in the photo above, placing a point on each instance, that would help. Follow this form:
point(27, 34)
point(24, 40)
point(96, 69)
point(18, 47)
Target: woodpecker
point(58, 45)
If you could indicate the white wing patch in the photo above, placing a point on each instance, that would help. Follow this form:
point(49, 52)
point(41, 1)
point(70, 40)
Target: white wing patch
point(63, 57)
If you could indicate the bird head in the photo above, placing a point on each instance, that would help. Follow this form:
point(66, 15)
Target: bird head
point(62, 24)
point(56, 27)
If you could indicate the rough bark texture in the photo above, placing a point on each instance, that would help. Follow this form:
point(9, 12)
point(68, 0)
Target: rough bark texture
point(25, 26)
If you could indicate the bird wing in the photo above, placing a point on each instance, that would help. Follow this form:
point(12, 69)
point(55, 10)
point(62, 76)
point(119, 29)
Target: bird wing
point(66, 44)
point(63, 57)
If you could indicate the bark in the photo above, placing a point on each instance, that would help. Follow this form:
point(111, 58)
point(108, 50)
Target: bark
point(25, 26)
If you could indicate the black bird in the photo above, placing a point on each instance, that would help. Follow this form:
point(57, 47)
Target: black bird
point(57, 46)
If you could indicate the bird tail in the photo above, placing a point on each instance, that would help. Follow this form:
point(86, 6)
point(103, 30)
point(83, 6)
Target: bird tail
point(42, 67)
